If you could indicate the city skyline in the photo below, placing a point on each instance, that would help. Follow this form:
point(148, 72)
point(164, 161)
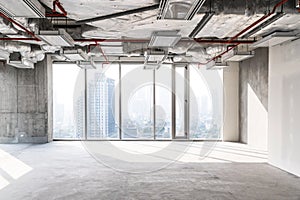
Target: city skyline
point(102, 107)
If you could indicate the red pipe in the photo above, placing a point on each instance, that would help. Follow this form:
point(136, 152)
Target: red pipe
point(61, 8)
point(98, 45)
point(258, 21)
point(243, 31)
point(220, 55)
point(19, 25)
point(55, 13)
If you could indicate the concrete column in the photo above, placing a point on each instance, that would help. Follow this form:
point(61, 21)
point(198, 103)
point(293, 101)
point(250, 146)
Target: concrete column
point(231, 102)
point(49, 98)
point(25, 113)
point(253, 83)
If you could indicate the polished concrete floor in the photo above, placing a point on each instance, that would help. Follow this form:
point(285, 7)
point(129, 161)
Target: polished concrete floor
point(141, 170)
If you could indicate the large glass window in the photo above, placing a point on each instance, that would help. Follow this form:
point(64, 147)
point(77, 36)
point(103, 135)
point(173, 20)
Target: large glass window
point(206, 100)
point(180, 101)
point(103, 102)
point(137, 102)
point(163, 102)
point(68, 101)
point(180, 90)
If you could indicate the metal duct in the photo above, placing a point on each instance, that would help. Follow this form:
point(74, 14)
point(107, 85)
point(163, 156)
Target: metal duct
point(34, 56)
point(16, 47)
point(6, 27)
point(50, 49)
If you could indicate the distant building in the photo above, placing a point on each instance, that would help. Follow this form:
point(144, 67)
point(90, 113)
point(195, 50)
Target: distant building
point(100, 103)
point(80, 116)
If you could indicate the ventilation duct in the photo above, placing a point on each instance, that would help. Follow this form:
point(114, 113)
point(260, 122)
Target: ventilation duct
point(179, 9)
point(75, 55)
point(275, 39)
point(50, 49)
point(164, 39)
point(22, 8)
point(136, 48)
point(155, 56)
point(34, 56)
point(107, 50)
point(237, 54)
point(86, 64)
point(16, 60)
point(197, 55)
point(217, 64)
point(214, 50)
point(6, 27)
point(181, 47)
point(56, 38)
point(16, 47)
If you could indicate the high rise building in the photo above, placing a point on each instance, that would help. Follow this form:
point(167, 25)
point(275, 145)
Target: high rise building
point(101, 107)
point(79, 117)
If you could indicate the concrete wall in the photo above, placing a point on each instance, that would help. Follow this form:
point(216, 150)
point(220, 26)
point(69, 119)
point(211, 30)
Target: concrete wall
point(284, 107)
point(231, 102)
point(24, 104)
point(253, 92)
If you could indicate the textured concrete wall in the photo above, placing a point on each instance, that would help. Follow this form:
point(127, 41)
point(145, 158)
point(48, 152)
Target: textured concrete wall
point(24, 104)
point(231, 102)
point(253, 74)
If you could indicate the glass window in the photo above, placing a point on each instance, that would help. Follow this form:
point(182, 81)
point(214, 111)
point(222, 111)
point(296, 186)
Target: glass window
point(68, 101)
point(180, 100)
point(103, 102)
point(206, 100)
point(203, 99)
point(163, 102)
point(137, 102)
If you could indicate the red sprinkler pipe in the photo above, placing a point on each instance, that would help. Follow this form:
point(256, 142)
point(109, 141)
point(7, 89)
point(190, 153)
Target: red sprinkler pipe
point(61, 8)
point(55, 13)
point(258, 21)
point(19, 25)
point(220, 55)
point(243, 31)
point(106, 59)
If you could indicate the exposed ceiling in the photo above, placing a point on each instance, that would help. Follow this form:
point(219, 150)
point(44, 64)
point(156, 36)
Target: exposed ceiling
point(229, 19)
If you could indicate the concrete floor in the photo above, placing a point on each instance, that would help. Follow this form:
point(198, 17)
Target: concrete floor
point(75, 170)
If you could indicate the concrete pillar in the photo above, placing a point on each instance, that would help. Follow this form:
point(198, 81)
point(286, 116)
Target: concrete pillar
point(50, 98)
point(231, 102)
point(24, 106)
point(253, 83)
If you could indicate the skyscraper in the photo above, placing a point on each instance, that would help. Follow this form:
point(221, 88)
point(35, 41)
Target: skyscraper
point(101, 122)
point(79, 118)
